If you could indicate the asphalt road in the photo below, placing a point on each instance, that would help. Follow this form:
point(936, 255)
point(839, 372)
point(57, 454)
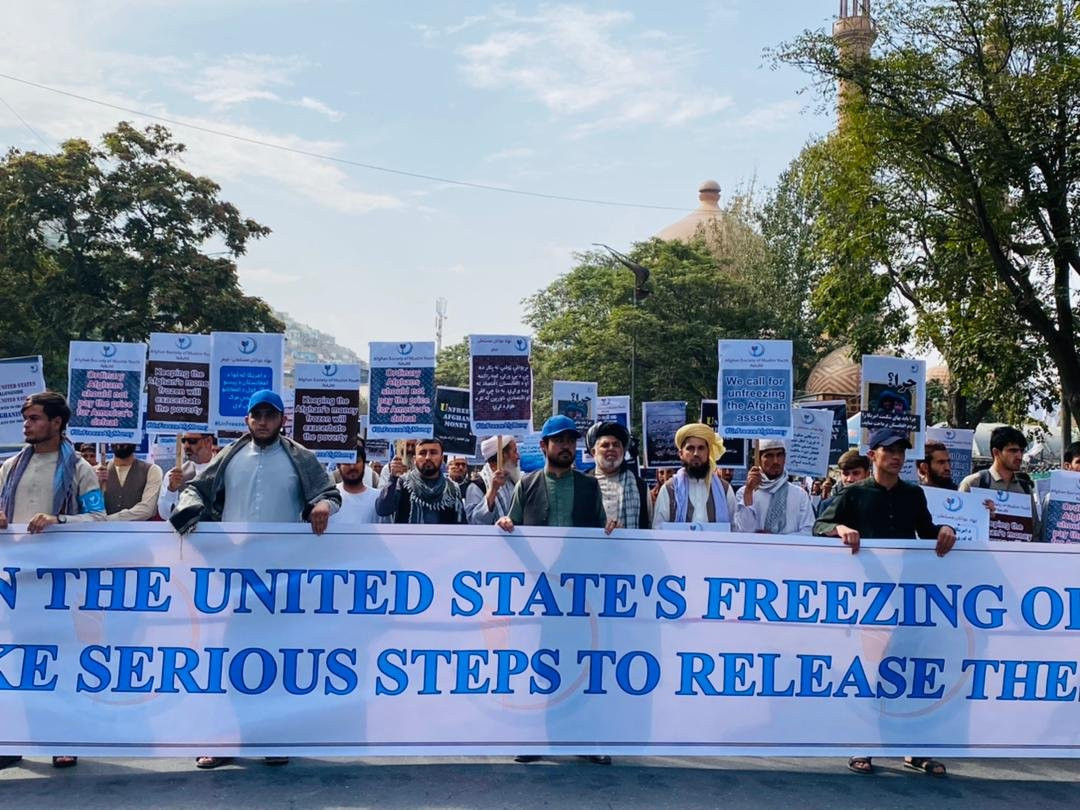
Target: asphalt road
point(489, 782)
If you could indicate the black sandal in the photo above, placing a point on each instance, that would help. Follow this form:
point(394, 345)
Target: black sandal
point(861, 765)
point(926, 765)
point(8, 760)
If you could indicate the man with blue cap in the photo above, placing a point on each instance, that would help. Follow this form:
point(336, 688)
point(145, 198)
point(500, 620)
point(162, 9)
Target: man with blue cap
point(557, 495)
point(263, 477)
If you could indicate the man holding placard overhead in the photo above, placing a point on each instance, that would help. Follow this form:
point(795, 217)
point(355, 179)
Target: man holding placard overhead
point(488, 497)
point(695, 494)
point(769, 504)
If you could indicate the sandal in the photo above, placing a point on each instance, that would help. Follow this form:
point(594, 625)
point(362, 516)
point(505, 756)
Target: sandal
point(861, 765)
point(209, 763)
point(65, 762)
point(925, 765)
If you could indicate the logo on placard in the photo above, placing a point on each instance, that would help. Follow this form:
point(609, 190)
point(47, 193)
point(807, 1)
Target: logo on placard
point(914, 368)
point(405, 349)
point(183, 342)
point(807, 418)
point(950, 434)
point(520, 344)
point(248, 346)
point(756, 350)
point(696, 527)
point(108, 350)
point(34, 369)
point(953, 504)
point(329, 370)
point(1002, 496)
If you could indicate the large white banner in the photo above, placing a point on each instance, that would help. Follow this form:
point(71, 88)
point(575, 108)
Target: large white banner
point(399, 640)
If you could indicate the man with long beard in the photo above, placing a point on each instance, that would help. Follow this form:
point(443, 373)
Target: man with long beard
point(488, 498)
point(422, 495)
point(695, 493)
point(626, 500)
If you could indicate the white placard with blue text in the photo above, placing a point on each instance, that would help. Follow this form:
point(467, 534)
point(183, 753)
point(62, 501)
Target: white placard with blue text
point(19, 378)
point(241, 364)
point(808, 448)
point(754, 389)
point(964, 512)
point(105, 386)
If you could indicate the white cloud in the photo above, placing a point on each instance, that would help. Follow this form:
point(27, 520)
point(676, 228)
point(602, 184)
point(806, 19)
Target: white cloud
point(309, 103)
point(46, 43)
point(770, 117)
point(584, 64)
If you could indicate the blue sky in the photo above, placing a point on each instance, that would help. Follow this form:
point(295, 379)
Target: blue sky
point(632, 101)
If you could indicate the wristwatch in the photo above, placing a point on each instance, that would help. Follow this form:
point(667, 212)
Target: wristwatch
point(61, 518)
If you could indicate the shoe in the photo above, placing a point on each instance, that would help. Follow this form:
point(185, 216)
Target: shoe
point(523, 758)
point(209, 763)
point(8, 761)
point(276, 761)
point(599, 759)
point(65, 762)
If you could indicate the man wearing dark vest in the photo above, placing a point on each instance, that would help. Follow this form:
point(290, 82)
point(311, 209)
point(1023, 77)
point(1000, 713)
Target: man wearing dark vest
point(422, 495)
point(131, 486)
point(557, 495)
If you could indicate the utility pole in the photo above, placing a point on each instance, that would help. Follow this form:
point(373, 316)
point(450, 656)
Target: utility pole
point(440, 318)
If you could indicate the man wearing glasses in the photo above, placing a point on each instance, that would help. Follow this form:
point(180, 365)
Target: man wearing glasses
point(198, 451)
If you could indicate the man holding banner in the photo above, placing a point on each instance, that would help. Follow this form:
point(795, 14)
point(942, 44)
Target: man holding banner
point(695, 493)
point(131, 486)
point(768, 503)
point(626, 500)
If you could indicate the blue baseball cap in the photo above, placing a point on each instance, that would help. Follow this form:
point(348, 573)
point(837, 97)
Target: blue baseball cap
point(887, 437)
point(266, 397)
point(559, 424)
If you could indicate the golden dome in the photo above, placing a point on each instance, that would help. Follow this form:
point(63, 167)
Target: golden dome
point(836, 374)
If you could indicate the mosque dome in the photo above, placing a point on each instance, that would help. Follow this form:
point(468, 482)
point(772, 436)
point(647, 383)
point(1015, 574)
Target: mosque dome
point(707, 211)
point(836, 374)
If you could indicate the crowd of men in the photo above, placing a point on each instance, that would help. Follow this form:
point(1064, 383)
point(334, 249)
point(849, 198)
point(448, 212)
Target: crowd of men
point(267, 477)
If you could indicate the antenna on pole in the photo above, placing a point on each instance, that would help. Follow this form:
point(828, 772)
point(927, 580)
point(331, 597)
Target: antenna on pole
point(440, 318)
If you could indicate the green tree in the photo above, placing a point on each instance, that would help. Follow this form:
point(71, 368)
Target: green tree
point(452, 365)
point(587, 326)
point(113, 242)
point(968, 120)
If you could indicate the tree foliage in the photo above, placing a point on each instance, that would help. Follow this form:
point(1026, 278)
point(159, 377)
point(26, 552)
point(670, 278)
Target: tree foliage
point(113, 242)
point(952, 189)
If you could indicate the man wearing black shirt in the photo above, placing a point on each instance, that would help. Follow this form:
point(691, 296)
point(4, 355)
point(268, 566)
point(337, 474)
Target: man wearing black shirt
point(883, 505)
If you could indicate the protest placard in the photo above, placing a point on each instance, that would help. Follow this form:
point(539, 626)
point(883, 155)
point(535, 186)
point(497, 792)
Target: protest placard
point(531, 456)
point(500, 382)
point(808, 448)
point(959, 443)
point(660, 421)
point(327, 407)
point(614, 409)
point(178, 383)
point(452, 421)
point(893, 397)
point(1061, 515)
point(105, 381)
point(839, 443)
point(19, 378)
point(1012, 518)
point(576, 400)
point(402, 393)
point(754, 389)
point(965, 512)
point(735, 450)
point(462, 640)
point(242, 363)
